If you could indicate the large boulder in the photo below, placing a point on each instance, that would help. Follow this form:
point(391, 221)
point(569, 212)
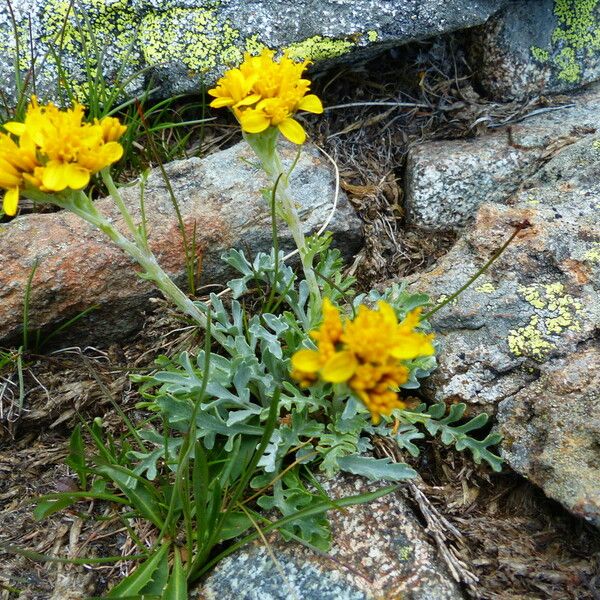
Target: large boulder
point(221, 204)
point(538, 47)
point(551, 431)
point(182, 44)
point(379, 550)
point(447, 180)
point(523, 339)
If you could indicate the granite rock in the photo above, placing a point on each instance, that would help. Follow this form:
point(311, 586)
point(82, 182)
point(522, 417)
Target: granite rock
point(379, 550)
point(446, 181)
point(180, 44)
point(220, 200)
point(523, 339)
point(539, 47)
point(551, 431)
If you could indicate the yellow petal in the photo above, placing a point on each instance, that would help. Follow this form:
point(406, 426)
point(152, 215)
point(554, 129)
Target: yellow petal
point(292, 130)
point(248, 100)
point(311, 103)
point(388, 313)
point(413, 345)
point(54, 178)
point(307, 361)
point(340, 367)
point(412, 319)
point(112, 152)
point(253, 121)
point(76, 177)
point(221, 102)
point(14, 127)
point(11, 202)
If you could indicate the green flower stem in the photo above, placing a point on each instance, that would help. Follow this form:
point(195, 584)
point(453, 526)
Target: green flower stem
point(265, 147)
point(78, 203)
point(118, 200)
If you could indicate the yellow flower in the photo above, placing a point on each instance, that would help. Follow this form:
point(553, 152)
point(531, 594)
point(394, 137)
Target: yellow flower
point(265, 92)
point(366, 353)
point(56, 150)
point(364, 335)
point(234, 89)
point(15, 161)
point(325, 360)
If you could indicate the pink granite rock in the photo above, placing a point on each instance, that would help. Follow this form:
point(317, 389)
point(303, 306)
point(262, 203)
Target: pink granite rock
point(219, 198)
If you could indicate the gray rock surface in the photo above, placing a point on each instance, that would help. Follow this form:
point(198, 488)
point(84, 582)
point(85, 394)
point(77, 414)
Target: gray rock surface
point(523, 339)
point(184, 43)
point(219, 198)
point(551, 431)
point(379, 551)
point(532, 48)
point(446, 181)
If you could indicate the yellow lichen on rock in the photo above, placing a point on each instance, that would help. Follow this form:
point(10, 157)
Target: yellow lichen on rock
point(593, 255)
point(320, 47)
point(486, 288)
point(556, 312)
point(204, 42)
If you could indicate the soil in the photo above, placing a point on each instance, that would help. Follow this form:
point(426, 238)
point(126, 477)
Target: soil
point(517, 543)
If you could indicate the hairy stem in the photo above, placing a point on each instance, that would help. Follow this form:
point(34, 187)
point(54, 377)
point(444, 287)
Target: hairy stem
point(265, 147)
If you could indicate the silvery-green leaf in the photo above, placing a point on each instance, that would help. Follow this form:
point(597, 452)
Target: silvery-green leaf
point(376, 469)
point(235, 416)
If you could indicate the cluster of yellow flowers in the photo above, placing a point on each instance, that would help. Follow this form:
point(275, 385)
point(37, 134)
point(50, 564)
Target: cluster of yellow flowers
point(55, 150)
point(264, 92)
point(367, 353)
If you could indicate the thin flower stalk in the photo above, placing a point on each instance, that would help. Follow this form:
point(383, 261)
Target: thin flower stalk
point(265, 148)
point(264, 94)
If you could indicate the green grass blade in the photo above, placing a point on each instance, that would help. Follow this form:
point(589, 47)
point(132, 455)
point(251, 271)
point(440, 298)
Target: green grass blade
point(76, 458)
point(84, 560)
point(143, 497)
point(51, 503)
point(69, 323)
point(269, 426)
point(177, 586)
point(26, 306)
point(200, 484)
point(141, 577)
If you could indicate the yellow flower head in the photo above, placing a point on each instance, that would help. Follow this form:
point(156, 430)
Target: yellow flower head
point(56, 150)
point(264, 92)
point(366, 353)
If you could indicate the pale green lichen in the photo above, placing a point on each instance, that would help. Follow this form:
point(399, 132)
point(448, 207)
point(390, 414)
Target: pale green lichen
point(566, 60)
point(576, 37)
point(532, 295)
point(405, 553)
point(593, 255)
point(319, 48)
point(486, 288)
point(254, 45)
point(78, 37)
point(596, 145)
point(201, 39)
point(539, 54)
point(529, 340)
point(445, 297)
point(555, 312)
